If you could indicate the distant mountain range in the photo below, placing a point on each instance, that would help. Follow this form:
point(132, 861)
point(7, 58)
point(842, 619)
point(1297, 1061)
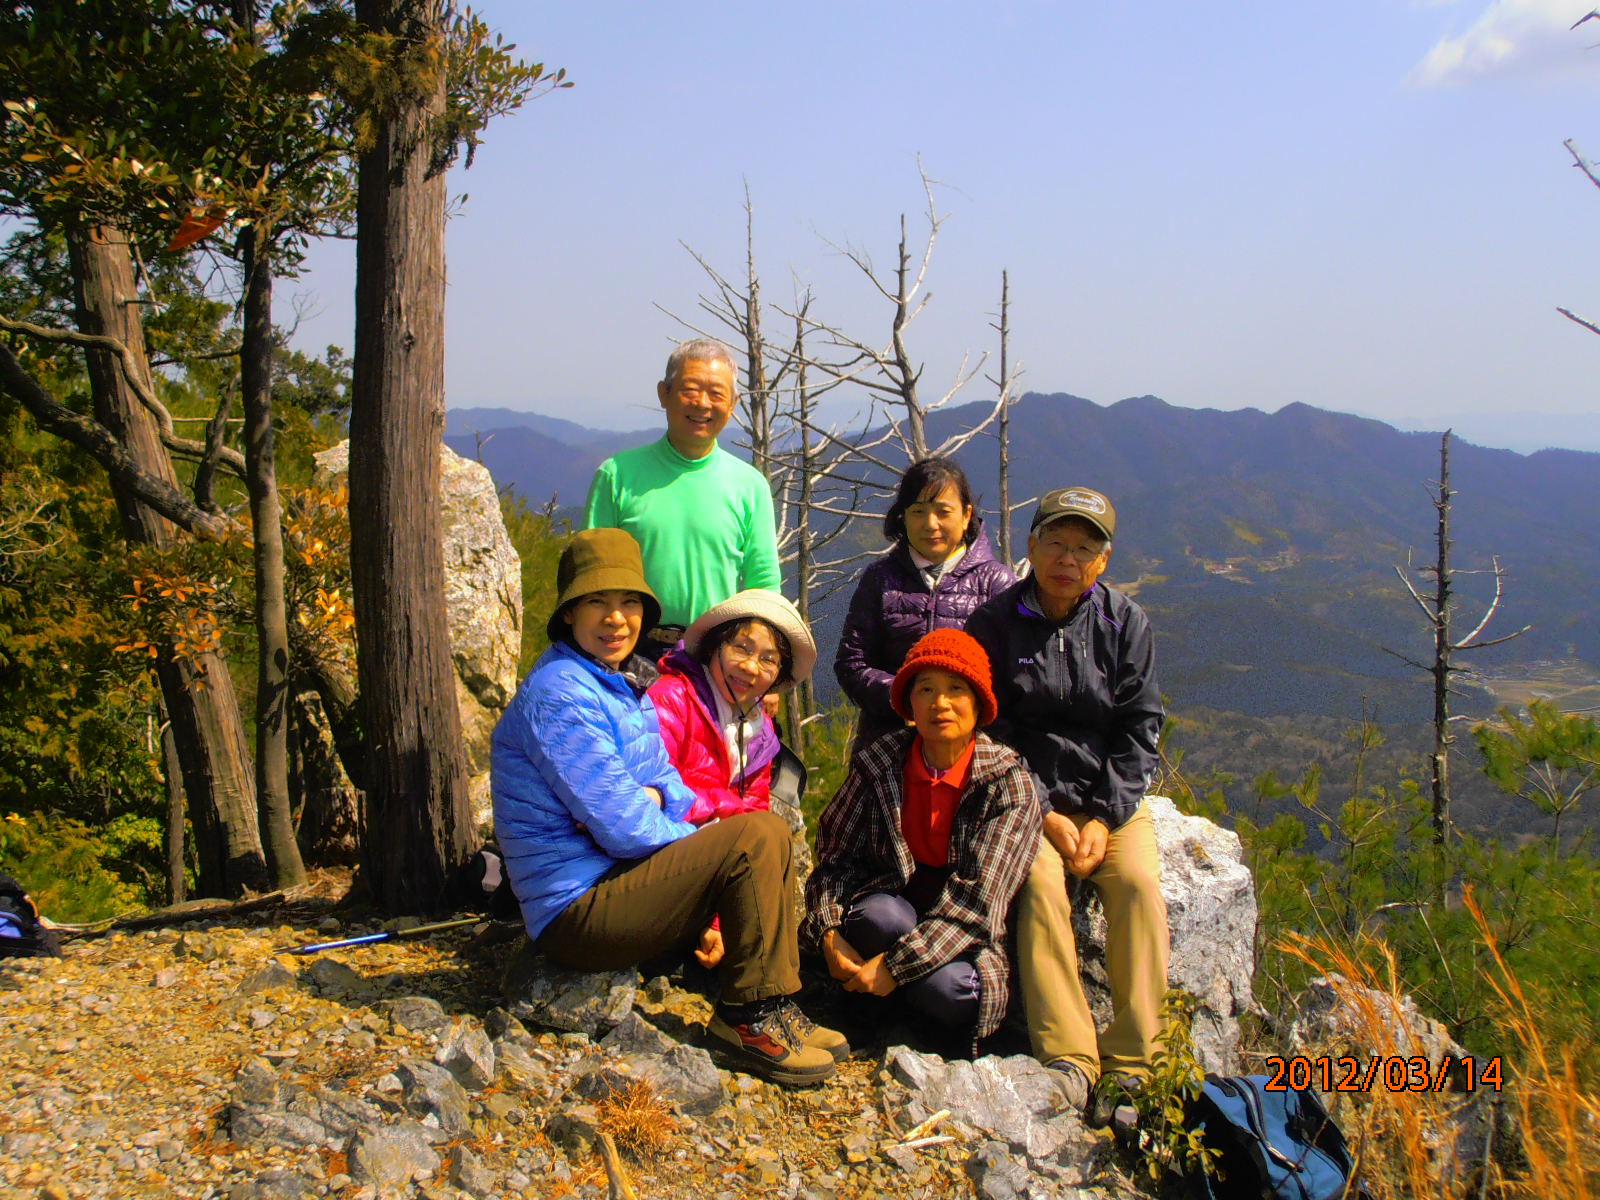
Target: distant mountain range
point(1263, 545)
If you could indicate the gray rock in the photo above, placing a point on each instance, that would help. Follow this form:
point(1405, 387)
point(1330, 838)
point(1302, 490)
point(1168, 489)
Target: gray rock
point(276, 1185)
point(634, 1035)
point(256, 1084)
point(1013, 1099)
point(503, 1107)
point(20, 1146)
point(266, 1110)
point(389, 1158)
point(685, 1076)
point(340, 1114)
point(682, 1075)
point(997, 1174)
point(483, 598)
point(429, 1088)
point(467, 1054)
point(503, 1027)
point(574, 1128)
point(273, 975)
point(1337, 1016)
point(517, 1069)
point(336, 979)
point(1211, 912)
point(419, 1014)
point(469, 1174)
point(197, 946)
point(275, 1127)
point(538, 990)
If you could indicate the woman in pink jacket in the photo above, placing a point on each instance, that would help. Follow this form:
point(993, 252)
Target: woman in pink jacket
point(708, 699)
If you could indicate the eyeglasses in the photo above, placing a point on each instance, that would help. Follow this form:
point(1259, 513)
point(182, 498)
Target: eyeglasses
point(769, 662)
point(1079, 554)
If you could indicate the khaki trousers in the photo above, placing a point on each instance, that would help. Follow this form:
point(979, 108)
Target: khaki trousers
point(740, 869)
point(1059, 1021)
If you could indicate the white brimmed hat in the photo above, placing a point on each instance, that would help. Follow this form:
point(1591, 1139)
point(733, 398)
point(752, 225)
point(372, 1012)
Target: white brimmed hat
point(767, 606)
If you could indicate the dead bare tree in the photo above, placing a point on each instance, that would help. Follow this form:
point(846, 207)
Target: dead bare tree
point(827, 476)
point(885, 370)
point(1588, 169)
point(1006, 382)
point(1438, 611)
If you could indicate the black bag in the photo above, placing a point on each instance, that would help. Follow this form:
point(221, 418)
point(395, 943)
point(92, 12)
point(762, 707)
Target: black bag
point(482, 885)
point(21, 933)
point(1276, 1145)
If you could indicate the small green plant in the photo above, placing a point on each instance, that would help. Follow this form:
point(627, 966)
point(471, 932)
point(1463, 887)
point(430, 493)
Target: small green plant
point(1166, 1144)
point(828, 741)
point(63, 865)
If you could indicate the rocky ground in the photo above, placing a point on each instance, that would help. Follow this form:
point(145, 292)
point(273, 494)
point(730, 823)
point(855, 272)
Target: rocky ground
point(197, 1060)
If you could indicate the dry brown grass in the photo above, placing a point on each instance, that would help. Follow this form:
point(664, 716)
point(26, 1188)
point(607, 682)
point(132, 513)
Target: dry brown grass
point(638, 1120)
point(1401, 1139)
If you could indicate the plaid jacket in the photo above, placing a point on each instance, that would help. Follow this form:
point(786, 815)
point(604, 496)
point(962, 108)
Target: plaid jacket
point(993, 840)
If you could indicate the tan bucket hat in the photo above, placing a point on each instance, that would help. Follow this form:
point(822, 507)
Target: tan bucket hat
point(600, 560)
point(770, 607)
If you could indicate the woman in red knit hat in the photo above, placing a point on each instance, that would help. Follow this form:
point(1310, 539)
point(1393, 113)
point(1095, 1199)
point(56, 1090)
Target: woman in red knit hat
point(921, 851)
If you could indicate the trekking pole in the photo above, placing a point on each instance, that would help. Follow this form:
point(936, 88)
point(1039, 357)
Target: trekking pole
point(371, 939)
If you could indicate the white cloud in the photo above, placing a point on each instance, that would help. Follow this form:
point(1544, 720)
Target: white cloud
point(1521, 39)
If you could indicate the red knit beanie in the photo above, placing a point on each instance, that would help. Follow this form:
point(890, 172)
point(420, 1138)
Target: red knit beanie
point(950, 650)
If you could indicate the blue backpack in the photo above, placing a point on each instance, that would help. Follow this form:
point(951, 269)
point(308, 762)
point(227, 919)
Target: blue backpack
point(1277, 1145)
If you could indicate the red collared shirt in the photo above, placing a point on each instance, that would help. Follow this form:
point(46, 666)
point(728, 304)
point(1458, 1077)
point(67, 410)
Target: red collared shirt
point(928, 804)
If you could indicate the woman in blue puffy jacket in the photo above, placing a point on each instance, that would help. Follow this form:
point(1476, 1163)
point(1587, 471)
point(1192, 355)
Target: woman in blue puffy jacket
point(590, 814)
point(940, 569)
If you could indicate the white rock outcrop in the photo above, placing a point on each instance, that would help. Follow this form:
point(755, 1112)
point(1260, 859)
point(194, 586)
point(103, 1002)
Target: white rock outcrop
point(1211, 909)
point(483, 592)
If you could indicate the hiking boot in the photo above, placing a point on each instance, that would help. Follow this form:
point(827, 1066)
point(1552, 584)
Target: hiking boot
point(817, 1037)
point(1113, 1102)
point(1073, 1084)
point(757, 1039)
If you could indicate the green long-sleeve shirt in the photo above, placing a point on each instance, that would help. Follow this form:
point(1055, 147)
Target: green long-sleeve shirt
point(705, 525)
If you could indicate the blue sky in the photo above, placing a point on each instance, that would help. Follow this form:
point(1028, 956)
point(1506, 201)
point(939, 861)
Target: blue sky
point(1365, 206)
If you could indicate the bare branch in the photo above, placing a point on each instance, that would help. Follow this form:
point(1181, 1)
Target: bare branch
point(1577, 159)
point(181, 446)
point(1409, 661)
point(1572, 316)
point(1415, 595)
point(97, 441)
point(1492, 641)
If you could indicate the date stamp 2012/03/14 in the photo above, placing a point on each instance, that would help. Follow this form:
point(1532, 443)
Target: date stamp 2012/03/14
point(1390, 1072)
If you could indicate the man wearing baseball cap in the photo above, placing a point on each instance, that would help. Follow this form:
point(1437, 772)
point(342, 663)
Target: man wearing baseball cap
point(1074, 676)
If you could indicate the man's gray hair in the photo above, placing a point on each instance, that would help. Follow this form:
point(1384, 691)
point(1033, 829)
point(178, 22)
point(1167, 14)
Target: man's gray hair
point(702, 349)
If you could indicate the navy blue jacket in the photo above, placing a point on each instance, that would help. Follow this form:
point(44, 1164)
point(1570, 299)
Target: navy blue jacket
point(891, 608)
point(1078, 700)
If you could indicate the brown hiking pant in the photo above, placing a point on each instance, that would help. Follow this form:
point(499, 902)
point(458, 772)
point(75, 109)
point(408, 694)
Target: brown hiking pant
point(740, 869)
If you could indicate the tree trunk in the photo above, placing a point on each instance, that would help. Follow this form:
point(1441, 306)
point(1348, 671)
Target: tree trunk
point(177, 884)
point(1441, 655)
point(418, 820)
point(1003, 534)
point(198, 691)
point(330, 813)
point(804, 559)
point(271, 612)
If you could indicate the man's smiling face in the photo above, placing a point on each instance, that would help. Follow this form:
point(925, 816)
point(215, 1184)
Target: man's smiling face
point(698, 404)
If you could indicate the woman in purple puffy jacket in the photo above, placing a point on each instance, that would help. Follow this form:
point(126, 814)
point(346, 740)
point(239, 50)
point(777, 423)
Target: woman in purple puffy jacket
point(940, 569)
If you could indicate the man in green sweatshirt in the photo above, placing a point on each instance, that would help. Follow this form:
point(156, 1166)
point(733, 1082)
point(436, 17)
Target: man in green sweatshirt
point(702, 518)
